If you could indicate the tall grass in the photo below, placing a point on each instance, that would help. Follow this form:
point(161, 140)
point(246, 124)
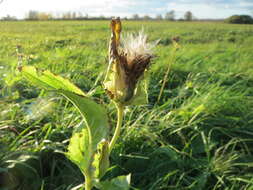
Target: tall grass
point(198, 136)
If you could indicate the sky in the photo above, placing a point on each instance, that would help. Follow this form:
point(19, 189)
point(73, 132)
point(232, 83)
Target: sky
point(200, 8)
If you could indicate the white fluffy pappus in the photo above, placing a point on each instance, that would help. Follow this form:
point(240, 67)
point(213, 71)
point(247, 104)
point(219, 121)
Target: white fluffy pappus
point(136, 45)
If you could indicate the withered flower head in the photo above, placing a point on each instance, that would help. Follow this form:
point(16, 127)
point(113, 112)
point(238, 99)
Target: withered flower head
point(128, 61)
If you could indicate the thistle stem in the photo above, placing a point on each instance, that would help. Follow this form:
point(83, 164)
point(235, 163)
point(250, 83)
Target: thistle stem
point(88, 182)
point(120, 111)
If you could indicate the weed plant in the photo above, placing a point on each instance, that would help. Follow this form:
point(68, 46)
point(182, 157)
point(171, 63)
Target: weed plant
point(197, 136)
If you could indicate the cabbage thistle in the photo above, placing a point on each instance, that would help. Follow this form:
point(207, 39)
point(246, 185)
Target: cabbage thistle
point(128, 61)
point(90, 146)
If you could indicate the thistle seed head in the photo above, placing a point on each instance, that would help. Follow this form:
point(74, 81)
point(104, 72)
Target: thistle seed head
point(128, 62)
point(136, 45)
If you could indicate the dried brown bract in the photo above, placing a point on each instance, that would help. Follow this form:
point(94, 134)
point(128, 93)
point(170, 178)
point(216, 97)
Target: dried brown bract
point(128, 62)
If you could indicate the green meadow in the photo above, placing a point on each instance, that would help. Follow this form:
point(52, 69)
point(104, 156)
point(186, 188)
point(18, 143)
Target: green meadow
point(197, 135)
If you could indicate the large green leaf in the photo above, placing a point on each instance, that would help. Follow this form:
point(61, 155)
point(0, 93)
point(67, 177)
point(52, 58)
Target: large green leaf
point(47, 80)
point(94, 115)
point(84, 143)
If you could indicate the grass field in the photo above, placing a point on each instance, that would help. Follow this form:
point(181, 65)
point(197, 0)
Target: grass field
point(199, 135)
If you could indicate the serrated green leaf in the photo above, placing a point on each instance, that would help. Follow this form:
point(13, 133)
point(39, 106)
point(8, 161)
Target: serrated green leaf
point(101, 159)
point(78, 149)
point(49, 81)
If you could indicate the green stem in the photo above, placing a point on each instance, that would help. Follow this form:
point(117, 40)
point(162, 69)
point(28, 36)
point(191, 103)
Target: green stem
point(120, 111)
point(88, 182)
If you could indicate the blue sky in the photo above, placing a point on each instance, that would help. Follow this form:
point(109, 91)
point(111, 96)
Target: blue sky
point(200, 8)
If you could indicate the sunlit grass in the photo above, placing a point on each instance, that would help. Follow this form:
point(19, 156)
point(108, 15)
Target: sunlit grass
point(198, 136)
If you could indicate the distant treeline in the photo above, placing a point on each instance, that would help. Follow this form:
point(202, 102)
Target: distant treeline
point(170, 16)
point(37, 15)
point(239, 19)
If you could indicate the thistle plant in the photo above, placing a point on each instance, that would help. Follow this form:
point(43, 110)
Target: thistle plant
point(90, 146)
point(127, 63)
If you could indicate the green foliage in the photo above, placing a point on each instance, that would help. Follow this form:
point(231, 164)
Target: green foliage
point(47, 80)
point(239, 19)
point(207, 146)
point(94, 115)
point(188, 16)
point(78, 150)
point(120, 182)
point(101, 159)
point(83, 144)
point(21, 165)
